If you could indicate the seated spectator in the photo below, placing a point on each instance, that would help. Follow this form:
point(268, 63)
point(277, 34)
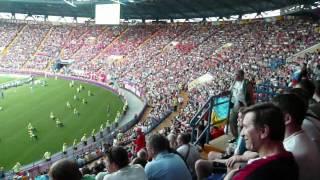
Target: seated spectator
point(172, 140)
point(296, 140)
point(263, 131)
point(311, 124)
point(164, 165)
point(117, 163)
point(218, 163)
point(188, 151)
point(142, 158)
point(309, 87)
point(87, 173)
point(65, 170)
point(314, 108)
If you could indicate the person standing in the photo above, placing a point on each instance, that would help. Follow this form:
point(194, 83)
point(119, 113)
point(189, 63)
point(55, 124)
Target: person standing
point(241, 95)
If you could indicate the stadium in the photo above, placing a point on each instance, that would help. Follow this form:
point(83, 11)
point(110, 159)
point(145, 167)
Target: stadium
point(150, 89)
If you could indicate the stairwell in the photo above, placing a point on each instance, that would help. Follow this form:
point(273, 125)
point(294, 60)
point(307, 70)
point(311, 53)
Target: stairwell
point(168, 121)
point(143, 43)
point(40, 46)
point(7, 49)
point(81, 37)
point(303, 52)
point(108, 46)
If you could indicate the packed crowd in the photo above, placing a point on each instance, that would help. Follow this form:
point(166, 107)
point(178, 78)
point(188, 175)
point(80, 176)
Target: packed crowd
point(7, 33)
point(24, 46)
point(163, 59)
point(276, 141)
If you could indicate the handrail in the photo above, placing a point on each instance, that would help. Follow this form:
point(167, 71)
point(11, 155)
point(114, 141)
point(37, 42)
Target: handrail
point(265, 91)
point(206, 111)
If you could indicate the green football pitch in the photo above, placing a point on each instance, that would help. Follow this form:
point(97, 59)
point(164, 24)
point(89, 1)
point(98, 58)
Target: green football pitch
point(34, 104)
point(4, 79)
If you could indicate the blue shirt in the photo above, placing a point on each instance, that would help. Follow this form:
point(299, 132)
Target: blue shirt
point(241, 146)
point(167, 166)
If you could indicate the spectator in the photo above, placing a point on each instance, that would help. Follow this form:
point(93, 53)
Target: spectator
point(140, 142)
point(188, 151)
point(317, 72)
point(263, 131)
point(309, 87)
point(142, 158)
point(314, 108)
point(242, 95)
point(64, 170)
point(296, 141)
point(218, 163)
point(172, 140)
point(164, 165)
point(117, 163)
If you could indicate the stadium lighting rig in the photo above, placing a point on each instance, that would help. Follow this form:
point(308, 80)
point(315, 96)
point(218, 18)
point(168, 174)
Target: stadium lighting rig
point(70, 2)
point(118, 2)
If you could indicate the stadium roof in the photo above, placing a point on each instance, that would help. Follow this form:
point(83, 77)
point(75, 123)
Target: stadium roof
point(148, 9)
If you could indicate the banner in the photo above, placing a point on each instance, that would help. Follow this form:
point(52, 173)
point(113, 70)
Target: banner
point(200, 81)
point(220, 112)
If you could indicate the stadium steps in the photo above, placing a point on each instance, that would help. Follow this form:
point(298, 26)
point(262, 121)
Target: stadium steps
point(109, 45)
point(167, 47)
point(62, 47)
point(40, 47)
point(146, 114)
point(61, 54)
point(103, 33)
point(302, 53)
point(7, 49)
point(217, 145)
point(209, 148)
point(143, 43)
point(81, 37)
point(168, 121)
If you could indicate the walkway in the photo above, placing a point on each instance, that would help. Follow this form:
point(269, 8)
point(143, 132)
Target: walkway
point(135, 106)
point(168, 121)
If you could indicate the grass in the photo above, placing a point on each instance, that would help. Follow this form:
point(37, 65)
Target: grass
point(24, 104)
point(4, 79)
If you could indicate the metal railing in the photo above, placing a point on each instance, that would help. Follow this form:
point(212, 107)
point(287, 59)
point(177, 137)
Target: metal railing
point(204, 116)
point(266, 91)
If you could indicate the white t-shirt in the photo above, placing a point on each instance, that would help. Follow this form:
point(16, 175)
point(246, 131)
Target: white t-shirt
point(237, 92)
point(311, 127)
point(305, 153)
point(131, 172)
point(193, 156)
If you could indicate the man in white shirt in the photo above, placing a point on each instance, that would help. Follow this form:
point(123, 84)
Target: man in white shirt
point(188, 151)
point(296, 140)
point(241, 95)
point(117, 163)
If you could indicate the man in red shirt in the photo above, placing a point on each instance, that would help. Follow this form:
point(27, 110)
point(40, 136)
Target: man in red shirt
point(140, 141)
point(263, 131)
